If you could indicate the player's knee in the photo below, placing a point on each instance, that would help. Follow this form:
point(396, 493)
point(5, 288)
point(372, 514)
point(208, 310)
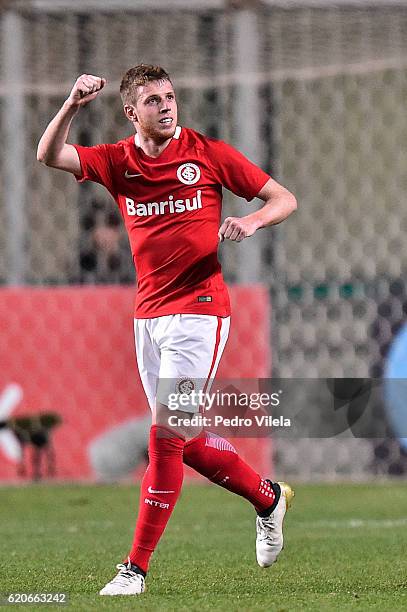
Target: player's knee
point(185, 424)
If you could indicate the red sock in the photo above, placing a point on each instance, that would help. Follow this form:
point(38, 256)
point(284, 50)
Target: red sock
point(160, 489)
point(215, 458)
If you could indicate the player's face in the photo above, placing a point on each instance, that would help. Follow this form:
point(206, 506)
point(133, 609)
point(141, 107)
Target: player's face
point(156, 110)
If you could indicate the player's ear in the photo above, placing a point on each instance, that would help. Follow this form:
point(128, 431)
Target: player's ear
point(130, 112)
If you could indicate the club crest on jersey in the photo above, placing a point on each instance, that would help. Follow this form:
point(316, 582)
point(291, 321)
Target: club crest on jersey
point(188, 173)
point(185, 386)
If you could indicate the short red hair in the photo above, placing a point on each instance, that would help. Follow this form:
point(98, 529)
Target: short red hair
point(137, 77)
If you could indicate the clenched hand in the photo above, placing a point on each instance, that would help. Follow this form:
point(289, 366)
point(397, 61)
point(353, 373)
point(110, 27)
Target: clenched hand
point(86, 88)
point(237, 228)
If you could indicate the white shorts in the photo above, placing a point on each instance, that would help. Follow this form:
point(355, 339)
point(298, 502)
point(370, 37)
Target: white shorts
point(179, 353)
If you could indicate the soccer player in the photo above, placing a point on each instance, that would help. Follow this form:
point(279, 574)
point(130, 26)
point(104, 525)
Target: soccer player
point(167, 182)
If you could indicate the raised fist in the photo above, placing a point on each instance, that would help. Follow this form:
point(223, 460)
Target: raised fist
point(86, 89)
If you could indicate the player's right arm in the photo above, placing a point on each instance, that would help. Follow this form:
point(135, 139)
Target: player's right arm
point(53, 149)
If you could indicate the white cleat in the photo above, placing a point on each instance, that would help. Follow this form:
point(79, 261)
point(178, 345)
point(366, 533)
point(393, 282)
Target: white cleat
point(269, 540)
point(127, 582)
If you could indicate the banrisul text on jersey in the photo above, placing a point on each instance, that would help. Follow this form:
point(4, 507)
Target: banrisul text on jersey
point(171, 206)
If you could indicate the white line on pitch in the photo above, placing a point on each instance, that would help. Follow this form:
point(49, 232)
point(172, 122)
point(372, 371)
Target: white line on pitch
point(354, 523)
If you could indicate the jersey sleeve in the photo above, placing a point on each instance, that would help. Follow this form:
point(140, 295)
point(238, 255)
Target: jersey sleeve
point(234, 171)
point(96, 165)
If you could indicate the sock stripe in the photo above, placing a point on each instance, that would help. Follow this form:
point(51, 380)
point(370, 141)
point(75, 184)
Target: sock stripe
point(215, 441)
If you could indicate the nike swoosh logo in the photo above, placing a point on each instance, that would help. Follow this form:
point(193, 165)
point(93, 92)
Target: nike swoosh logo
point(127, 175)
point(150, 490)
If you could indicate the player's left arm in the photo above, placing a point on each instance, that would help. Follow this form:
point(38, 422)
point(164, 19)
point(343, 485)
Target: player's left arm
point(279, 203)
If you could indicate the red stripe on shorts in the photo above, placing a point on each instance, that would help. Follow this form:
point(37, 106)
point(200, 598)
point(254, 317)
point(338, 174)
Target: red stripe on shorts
point(215, 352)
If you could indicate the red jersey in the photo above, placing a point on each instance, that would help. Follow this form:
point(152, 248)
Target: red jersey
point(171, 206)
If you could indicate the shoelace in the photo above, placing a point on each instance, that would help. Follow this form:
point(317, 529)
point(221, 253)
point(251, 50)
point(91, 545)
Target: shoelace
point(266, 526)
point(125, 575)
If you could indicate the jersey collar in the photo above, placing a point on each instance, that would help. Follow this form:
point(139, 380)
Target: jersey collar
point(176, 136)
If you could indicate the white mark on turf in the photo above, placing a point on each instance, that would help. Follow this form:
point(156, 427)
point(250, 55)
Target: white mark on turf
point(354, 523)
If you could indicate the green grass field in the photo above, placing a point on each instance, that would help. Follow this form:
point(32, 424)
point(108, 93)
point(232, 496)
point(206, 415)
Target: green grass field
point(346, 549)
